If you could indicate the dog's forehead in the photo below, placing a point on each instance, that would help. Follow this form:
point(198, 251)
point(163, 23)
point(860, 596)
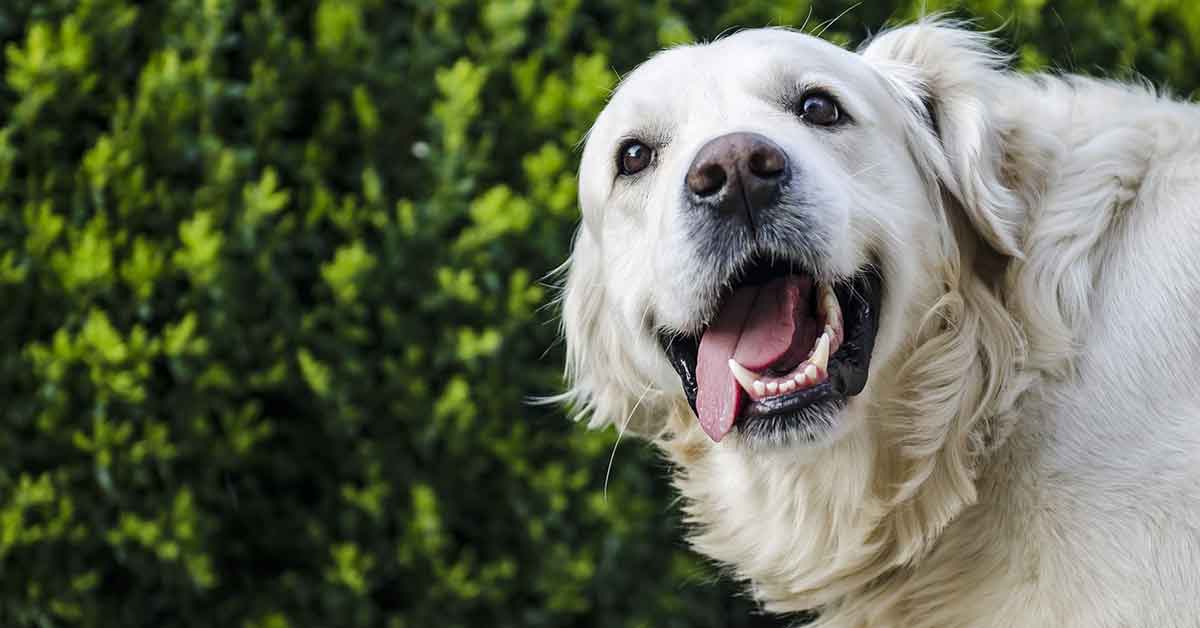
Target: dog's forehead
point(745, 62)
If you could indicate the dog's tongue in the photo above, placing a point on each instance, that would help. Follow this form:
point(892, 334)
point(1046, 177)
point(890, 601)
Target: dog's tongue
point(756, 326)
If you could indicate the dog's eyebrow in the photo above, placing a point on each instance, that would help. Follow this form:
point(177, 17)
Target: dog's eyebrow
point(654, 136)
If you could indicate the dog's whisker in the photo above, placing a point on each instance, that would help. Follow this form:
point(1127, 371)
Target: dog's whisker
point(866, 169)
point(807, 17)
point(826, 25)
point(621, 432)
point(645, 313)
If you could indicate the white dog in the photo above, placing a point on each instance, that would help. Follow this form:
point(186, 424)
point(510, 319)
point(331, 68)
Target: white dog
point(915, 330)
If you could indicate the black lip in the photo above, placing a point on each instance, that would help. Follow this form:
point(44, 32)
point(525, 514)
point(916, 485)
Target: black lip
point(848, 367)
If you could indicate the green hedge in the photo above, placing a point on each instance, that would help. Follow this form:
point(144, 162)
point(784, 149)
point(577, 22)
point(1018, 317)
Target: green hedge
point(272, 304)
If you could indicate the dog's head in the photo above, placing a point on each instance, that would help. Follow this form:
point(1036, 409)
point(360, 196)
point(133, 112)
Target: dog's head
point(780, 253)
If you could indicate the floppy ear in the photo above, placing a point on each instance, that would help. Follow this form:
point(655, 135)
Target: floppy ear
point(961, 374)
point(604, 385)
point(951, 76)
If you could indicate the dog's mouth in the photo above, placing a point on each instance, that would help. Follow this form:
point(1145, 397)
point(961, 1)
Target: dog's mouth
point(783, 350)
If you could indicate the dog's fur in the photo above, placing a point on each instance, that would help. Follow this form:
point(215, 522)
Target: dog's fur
point(1027, 449)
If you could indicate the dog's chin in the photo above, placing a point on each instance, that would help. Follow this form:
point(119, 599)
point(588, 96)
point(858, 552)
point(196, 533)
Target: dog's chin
point(814, 411)
point(811, 425)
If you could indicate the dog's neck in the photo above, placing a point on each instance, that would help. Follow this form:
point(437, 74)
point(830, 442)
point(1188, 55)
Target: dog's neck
point(822, 530)
point(799, 530)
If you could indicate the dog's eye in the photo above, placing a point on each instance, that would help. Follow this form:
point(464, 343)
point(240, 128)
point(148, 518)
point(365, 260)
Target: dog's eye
point(820, 109)
point(634, 157)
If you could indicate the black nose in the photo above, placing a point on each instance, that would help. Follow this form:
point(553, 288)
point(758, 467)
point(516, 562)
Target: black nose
point(738, 172)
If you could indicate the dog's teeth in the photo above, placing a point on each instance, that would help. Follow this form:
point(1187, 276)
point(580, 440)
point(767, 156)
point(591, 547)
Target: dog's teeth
point(828, 299)
point(799, 377)
point(810, 373)
point(830, 306)
point(820, 355)
point(773, 388)
point(787, 386)
point(744, 376)
point(760, 389)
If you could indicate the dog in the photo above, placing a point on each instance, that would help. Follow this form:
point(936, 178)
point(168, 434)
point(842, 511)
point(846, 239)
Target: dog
point(913, 329)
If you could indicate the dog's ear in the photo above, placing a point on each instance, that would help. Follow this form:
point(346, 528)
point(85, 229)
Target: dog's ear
point(949, 77)
point(603, 385)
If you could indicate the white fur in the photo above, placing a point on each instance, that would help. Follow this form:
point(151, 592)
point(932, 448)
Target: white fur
point(1027, 449)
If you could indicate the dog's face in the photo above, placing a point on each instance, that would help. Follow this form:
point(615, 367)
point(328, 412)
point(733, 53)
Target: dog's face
point(779, 277)
point(752, 202)
point(760, 216)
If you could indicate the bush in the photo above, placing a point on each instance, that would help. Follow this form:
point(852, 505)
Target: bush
point(274, 301)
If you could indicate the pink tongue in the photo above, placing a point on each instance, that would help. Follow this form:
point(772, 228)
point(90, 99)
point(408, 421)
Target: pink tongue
point(756, 327)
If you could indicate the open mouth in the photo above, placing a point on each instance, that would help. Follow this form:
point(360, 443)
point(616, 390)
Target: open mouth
point(783, 351)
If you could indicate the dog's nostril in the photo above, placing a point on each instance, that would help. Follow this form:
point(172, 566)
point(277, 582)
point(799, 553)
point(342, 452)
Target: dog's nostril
point(767, 162)
point(706, 180)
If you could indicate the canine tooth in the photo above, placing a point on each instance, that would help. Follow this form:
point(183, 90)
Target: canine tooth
point(810, 372)
point(826, 292)
point(773, 388)
point(826, 295)
point(743, 375)
point(831, 307)
point(760, 388)
point(820, 355)
point(834, 341)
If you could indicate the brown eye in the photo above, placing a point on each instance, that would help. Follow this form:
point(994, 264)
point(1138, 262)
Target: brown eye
point(819, 109)
point(634, 158)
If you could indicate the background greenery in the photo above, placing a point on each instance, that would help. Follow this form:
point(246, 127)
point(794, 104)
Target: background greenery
point(270, 277)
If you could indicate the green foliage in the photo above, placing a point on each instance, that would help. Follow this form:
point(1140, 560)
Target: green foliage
point(273, 306)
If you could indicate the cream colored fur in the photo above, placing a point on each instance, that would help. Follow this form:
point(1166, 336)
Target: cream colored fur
point(1027, 449)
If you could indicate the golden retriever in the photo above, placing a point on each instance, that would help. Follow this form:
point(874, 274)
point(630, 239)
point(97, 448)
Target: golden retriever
point(912, 327)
